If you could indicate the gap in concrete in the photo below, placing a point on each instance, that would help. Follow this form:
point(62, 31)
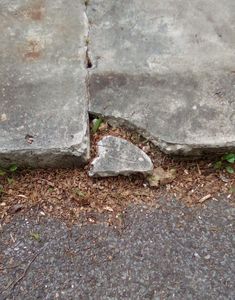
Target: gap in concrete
point(88, 62)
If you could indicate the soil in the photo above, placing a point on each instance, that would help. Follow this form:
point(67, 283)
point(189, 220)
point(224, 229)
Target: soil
point(66, 193)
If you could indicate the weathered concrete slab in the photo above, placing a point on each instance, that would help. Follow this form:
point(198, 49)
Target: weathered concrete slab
point(117, 156)
point(43, 99)
point(168, 69)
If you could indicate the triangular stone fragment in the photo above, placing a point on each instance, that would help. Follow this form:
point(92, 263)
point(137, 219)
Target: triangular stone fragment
point(117, 156)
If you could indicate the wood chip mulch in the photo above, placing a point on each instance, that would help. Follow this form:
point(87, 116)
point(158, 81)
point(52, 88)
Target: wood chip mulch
point(66, 193)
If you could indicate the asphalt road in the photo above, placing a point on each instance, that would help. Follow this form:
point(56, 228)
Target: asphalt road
point(171, 252)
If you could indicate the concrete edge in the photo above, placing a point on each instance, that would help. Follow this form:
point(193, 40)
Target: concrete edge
point(183, 150)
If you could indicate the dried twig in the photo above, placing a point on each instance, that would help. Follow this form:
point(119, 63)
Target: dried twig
point(199, 170)
point(203, 199)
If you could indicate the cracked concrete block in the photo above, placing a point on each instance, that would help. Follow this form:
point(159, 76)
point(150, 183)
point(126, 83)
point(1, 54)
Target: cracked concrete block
point(167, 69)
point(43, 96)
point(117, 156)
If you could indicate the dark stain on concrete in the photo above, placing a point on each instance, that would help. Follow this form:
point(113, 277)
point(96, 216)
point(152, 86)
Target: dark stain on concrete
point(119, 80)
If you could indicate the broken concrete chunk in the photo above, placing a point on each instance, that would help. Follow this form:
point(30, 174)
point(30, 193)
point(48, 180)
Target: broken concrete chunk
point(117, 156)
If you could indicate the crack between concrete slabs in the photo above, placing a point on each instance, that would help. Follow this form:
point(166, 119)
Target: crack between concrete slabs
point(88, 62)
point(121, 122)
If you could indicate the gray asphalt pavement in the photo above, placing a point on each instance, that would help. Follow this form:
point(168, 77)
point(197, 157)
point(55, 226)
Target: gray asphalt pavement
point(172, 252)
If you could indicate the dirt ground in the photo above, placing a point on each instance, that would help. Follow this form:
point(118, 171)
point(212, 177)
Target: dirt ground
point(66, 193)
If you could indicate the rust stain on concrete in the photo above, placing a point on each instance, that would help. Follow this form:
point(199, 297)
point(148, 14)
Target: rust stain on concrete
point(33, 50)
point(35, 11)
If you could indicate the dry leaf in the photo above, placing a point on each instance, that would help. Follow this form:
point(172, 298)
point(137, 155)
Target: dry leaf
point(161, 177)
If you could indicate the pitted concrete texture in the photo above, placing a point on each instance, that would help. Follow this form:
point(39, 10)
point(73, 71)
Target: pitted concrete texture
point(166, 68)
point(43, 97)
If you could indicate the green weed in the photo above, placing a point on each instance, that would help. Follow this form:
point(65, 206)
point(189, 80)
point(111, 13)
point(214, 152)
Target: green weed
point(96, 124)
point(226, 162)
point(35, 236)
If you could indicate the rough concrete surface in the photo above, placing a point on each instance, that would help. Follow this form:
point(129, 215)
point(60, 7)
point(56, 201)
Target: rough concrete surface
point(117, 156)
point(166, 68)
point(43, 97)
point(172, 252)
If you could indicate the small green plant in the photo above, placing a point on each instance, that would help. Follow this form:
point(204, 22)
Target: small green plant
point(7, 174)
point(10, 180)
point(51, 189)
point(232, 190)
point(79, 193)
point(2, 172)
point(35, 236)
point(13, 168)
point(96, 124)
point(226, 162)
